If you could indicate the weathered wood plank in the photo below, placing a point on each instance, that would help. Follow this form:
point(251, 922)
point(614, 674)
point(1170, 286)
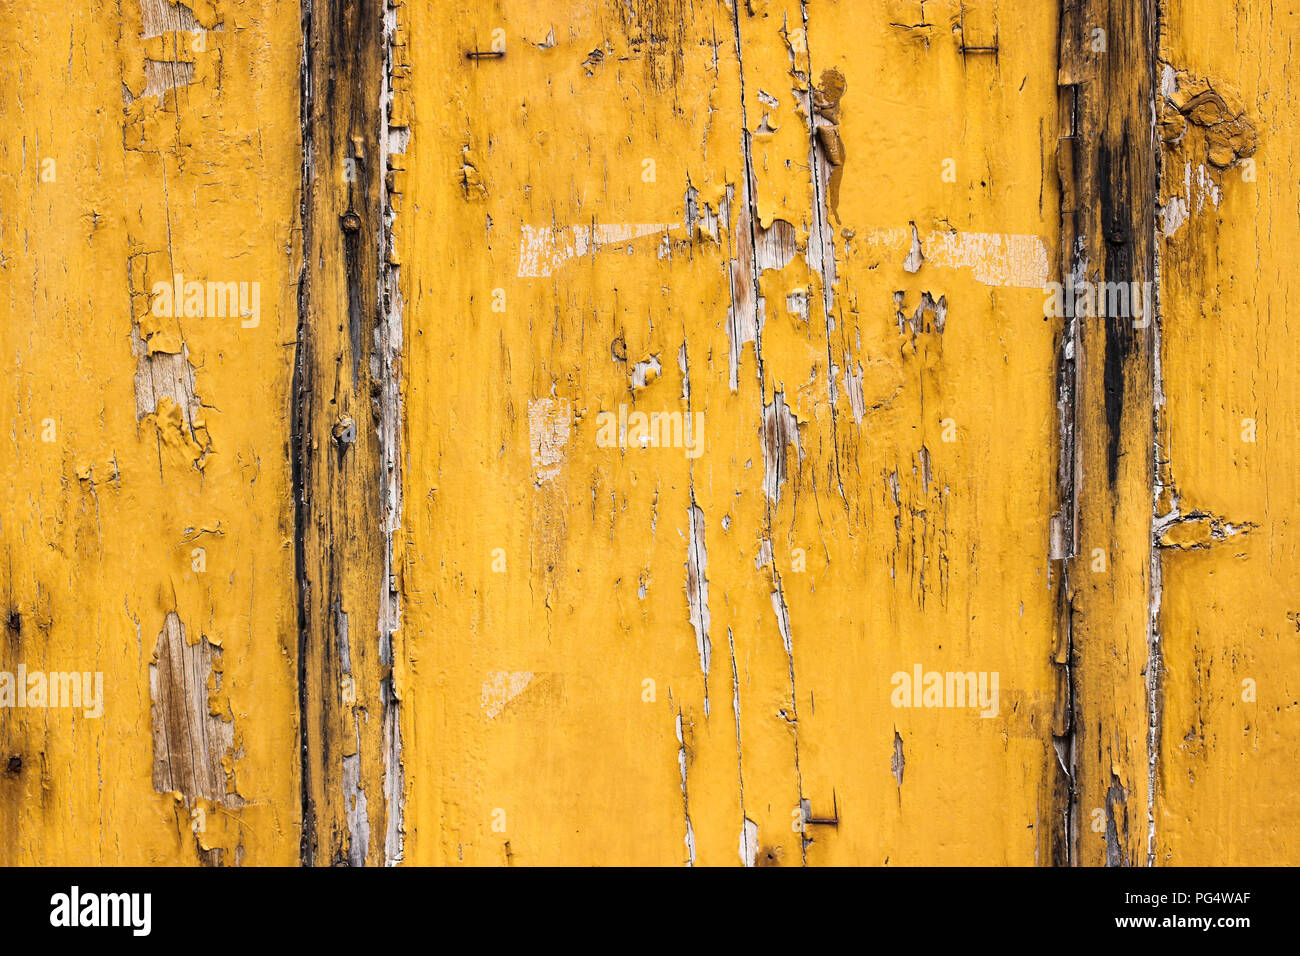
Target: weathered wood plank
point(779, 432)
point(1226, 515)
point(829, 535)
point(1107, 382)
point(345, 453)
point(147, 530)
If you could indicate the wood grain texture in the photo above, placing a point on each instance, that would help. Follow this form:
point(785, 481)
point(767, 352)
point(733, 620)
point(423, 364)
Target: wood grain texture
point(343, 454)
point(652, 432)
point(1107, 382)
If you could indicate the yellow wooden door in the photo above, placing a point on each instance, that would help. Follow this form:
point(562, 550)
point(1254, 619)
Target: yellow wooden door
point(660, 432)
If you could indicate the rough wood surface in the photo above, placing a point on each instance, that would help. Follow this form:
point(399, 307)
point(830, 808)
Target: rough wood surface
point(707, 432)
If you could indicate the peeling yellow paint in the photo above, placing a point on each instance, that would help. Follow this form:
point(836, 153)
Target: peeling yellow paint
point(645, 432)
point(198, 179)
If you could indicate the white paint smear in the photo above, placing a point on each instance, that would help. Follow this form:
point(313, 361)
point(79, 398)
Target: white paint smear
point(542, 249)
point(1000, 259)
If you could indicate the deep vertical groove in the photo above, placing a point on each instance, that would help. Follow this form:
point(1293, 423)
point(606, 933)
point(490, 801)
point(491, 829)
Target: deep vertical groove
point(1065, 528)
point(1155, 652)
point(300, 464)
point(389, 348)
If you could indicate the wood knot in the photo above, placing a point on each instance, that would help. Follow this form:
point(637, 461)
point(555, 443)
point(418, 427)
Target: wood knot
point(351, 222)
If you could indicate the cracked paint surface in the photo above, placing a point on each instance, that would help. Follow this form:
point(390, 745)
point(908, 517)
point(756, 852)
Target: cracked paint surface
point(149, 538)
point(366, 568)
point(779, 569)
